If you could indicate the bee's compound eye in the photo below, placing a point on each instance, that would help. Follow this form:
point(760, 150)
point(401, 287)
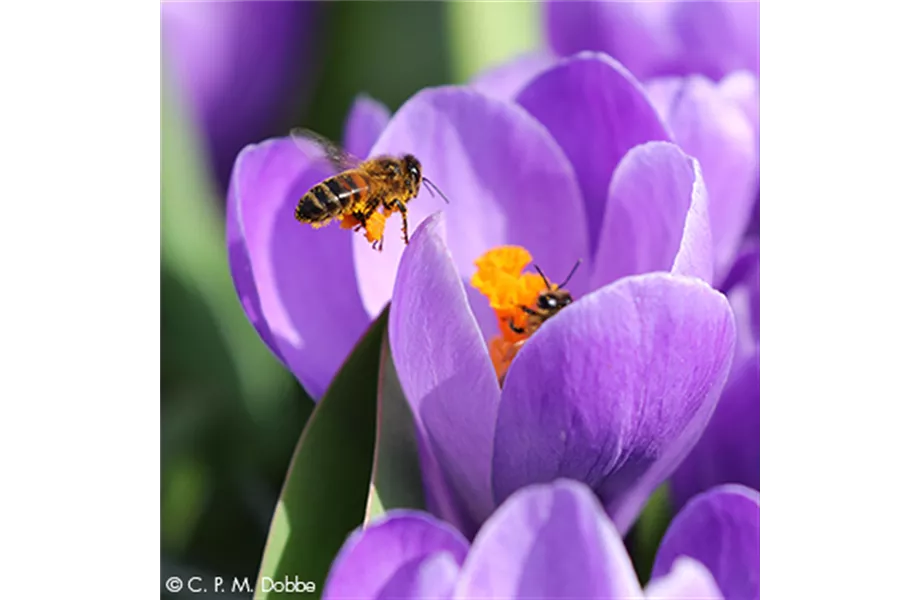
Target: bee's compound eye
point(546, 302)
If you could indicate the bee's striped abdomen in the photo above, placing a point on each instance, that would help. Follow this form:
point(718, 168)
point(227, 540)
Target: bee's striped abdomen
point(332, 197)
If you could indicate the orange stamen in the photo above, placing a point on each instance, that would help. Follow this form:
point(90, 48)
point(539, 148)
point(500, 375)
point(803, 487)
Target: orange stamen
point(500, 278)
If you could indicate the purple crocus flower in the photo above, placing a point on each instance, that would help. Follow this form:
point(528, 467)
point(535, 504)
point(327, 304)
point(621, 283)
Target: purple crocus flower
point(699, 64)
point(236, 65)
point(613, 391)
point(507, 169)
point(554, 541)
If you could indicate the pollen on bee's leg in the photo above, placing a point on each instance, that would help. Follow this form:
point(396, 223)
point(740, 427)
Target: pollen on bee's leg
point(375, 225)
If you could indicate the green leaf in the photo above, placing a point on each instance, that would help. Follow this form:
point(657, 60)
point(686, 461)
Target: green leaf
point(396, 480)
point(325, 494)
point(648, 531)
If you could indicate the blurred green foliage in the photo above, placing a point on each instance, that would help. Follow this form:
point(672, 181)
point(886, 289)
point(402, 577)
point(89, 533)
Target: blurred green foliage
point(231, 415)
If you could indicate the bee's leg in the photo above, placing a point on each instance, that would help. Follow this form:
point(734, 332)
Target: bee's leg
point(362, 220)
point(405, 220)
point(529, 310)
point(514, 327)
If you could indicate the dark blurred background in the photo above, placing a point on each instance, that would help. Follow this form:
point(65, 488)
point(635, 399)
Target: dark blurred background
point(235, 73)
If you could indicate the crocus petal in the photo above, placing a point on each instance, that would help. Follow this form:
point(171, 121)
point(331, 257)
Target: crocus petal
point(729, 449)
point(714, 130)
point(615, 390)
point(507, 79)
point(446, 374)
point(549, 541)
point(688, 579)
point(660, 38)
point(405, 554)
point(507, 180)
point(365, 122)
point(656, 218)
point(296, 283)
point(597, 111)
point(721, 529)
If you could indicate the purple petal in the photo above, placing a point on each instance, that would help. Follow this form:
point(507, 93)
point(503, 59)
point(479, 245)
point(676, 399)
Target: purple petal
point(660, 38)
point(720, 529)
point(656, 218)
point(503, 174)
point(232, 65)
point(688, 579)
point(365, 122)
point(549, 541)
point(296, 283)
point(405, 554)
point(597, 111)
point(615, 390)
point(729, 449)
point(446, 374)
point(507, 79)
point(714, 130)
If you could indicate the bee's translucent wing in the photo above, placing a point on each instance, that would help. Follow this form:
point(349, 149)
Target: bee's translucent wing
point(309, 141)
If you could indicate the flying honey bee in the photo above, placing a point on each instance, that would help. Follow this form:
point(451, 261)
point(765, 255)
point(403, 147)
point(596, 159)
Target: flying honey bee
point(360, 188)
point(548, 303)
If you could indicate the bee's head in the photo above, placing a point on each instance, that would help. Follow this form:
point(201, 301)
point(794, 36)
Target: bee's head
point(552, 301)
point(413, 170)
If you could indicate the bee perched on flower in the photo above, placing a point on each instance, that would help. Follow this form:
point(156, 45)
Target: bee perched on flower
point(522, 301)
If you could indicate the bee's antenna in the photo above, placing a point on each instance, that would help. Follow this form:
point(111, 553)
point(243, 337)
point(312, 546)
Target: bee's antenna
point(430, 185)
point(545, 280)
point(572, 272)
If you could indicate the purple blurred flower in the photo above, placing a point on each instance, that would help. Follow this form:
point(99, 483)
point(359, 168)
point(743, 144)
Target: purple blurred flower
point(236, 66)
point(654, 38)
point(615, 390)
point(554, 541)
